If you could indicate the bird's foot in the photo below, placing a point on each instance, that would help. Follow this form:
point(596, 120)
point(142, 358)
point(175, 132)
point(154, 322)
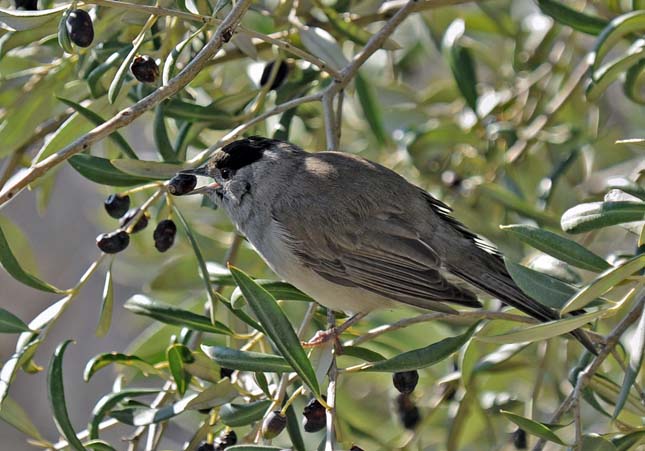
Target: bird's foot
point(323, 336)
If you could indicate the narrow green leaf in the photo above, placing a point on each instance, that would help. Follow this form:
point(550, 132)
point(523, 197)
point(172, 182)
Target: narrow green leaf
point(143, 305)
point(148, 169)
point(594, 442)
point(423, 357)
point(499, 359)
point(94, 78)
point(461, 62)
point(635, 349)
point(633, 81)
point(324, 46)
point(293, 429)
point(543, 288)
point(533, 427)
point(371, 108)
point(349, 29)
point(10, 323)
point(63, 37)
point(107, 402)
point(201, 264)
point(277, 327)
point(559, 247)
point(235, 415)
point(99, 445)
point(606, 74)
point(254, 448)
point(22, 354)
point(14, 415)
point(100, 361)
point(609, 391)
point(177, 355)
point(56, 392)
point(10, 264)
point(96, 119)
point(617, 29)
point(102, 171)
point(212, 116)
point(566, 16)
point(216, 395)
point(543, 331)
point(604, 283)
point(246, 360)
point(362, 353)
point(107, 303)
point(518, 204)
point(629, 441)
point(160, 132)
point(17, 20)
point(596, 215)
point(280, 290)
point(202, 367)
point(169, 65)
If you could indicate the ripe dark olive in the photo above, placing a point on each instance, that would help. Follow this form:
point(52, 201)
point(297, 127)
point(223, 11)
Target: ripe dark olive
point(280, 76)
point(519, 439)
point(27, 5)
point(405, 381)
point(117, 205)
point(273, 424)
point(408, 411)
point(141, 223)
point(182, 184)
point(204, 446)
point(315, 416)
point(79, 28)
point(145, 69)
point(355, 448)
point(225, 372)
point(225, 439)
point(113, 242)
point(164, 235)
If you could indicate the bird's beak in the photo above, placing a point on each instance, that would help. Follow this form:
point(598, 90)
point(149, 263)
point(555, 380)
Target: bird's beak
point(202, 172)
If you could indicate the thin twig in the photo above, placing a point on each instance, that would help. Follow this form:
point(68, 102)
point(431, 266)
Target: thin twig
point(585, 375)
point(128, 115)
point(330, 433)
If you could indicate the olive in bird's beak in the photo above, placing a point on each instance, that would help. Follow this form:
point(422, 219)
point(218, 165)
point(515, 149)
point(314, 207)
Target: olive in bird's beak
point(185, 181)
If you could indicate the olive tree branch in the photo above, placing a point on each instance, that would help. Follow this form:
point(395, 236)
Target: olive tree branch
point(585, 375)
point(128, 115)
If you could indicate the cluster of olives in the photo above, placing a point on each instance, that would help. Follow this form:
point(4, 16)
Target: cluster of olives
point(118, 206)
point(405, 382)
point(226, 439)
point(314, 419)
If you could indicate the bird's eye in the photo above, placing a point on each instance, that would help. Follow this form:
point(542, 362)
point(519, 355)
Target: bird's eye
point(225, 173)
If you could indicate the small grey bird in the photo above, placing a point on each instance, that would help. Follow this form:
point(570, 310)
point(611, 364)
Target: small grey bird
point(354, 235)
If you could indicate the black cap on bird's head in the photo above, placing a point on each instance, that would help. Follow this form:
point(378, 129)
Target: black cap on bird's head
point(232, 157)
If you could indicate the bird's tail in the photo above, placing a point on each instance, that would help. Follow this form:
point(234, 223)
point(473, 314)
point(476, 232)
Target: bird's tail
point(498, 282)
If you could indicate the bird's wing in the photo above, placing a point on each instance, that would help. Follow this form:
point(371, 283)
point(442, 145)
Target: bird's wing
point(377, 252)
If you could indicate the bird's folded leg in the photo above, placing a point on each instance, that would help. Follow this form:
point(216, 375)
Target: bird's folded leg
point(323, 336)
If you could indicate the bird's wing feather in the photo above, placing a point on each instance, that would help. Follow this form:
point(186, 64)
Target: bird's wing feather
point(377, 252)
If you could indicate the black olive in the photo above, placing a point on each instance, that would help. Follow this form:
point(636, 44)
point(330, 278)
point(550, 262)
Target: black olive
point(164, 235)
point(315, 416)
point(405, 381)
point(113, 242)
point(280, 76)
point(141, 223)
point(204, 446)
point(144, 68)
point(27, 5)
point(225, 439)
point(519, 439)
point(79, 28)
point(117, 205)
point(355, 448)
point(273, 424)
point(182, 184)
point(408, 411)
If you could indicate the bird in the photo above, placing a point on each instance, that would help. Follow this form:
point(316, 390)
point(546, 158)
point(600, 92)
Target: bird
point(354, 235)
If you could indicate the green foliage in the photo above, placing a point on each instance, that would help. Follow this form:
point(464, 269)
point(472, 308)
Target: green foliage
point(505, 110)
